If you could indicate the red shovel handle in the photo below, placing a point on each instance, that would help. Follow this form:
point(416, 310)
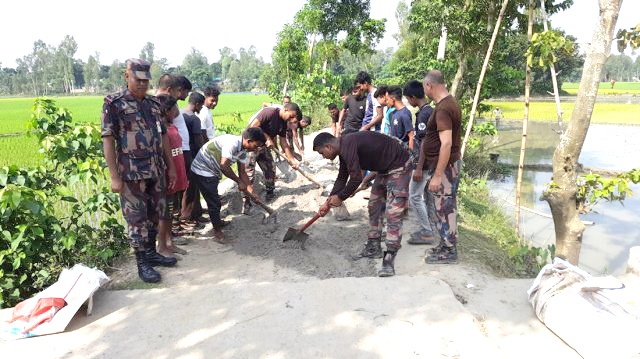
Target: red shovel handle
point(308, 224)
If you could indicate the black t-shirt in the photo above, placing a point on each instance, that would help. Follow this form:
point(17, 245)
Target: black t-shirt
point(400, 124)
point(366, 150)
point(193, 126)
point(422, 117)
point(271, 123)
point(355, 107)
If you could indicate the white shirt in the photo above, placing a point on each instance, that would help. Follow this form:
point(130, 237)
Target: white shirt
point(206, 122)
point(207, 161)
point(182, 129)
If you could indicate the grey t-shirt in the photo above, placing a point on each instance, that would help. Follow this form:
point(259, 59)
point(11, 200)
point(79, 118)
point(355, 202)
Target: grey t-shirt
point(207, 162)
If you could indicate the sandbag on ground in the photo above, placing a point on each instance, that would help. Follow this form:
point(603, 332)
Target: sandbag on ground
point(596, 316)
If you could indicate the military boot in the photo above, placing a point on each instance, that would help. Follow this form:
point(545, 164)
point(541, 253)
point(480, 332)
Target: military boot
point(446, 255)
point(145, 270)
point(156, 259)
point(387, 269)
point(373, 249)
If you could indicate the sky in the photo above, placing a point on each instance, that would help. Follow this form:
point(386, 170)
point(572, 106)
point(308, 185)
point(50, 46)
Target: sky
point(118, 29)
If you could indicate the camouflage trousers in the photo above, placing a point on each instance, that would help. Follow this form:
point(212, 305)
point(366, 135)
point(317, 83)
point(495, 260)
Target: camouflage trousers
point(142, 204)
point(264, 158)
point(443, 208)
point(389, 200)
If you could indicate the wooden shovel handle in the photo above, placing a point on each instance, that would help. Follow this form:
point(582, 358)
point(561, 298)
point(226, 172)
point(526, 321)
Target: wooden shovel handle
point(308, 224)
point(259, 202)
point(298, 169)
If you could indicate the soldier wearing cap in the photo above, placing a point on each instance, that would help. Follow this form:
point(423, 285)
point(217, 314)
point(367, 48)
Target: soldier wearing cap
point(137, 153)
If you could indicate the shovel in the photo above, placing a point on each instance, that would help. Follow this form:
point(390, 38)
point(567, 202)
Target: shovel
point(271, 213)
point(298, 234)
point(298, 169)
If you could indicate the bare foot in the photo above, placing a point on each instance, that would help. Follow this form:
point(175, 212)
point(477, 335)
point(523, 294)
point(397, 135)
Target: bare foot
point(165, 252)
point(219, 237)
point(174, 249)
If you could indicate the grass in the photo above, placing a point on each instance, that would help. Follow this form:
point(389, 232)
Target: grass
point(488, 238)
point(619, 88)
point(612, 113)
point(15, 112)
point(22, 150)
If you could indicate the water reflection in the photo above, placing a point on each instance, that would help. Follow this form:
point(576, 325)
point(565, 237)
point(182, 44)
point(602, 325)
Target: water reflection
point(614, 147)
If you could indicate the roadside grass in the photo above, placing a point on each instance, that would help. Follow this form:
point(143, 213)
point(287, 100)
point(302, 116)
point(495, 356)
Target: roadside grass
point(604, 88)
point(488, 239)
point(611, 113)
point(233, 110)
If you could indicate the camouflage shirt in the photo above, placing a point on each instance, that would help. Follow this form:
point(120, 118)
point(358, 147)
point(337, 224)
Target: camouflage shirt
point(137, 128)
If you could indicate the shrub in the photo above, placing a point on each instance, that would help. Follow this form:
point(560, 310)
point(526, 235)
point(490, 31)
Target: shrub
point(46, 226)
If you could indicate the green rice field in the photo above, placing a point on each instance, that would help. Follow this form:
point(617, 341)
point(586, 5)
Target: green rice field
point(632, 88)
point(22, 150)
point(615, 113)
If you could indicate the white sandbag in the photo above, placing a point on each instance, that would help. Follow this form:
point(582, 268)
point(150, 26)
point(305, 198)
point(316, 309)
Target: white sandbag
point(76, 285)
point(596, 316)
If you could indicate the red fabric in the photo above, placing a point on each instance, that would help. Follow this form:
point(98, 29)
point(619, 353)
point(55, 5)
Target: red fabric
point(175, 142)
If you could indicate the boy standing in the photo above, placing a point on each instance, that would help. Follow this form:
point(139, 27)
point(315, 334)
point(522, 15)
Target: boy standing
point(373, 114)
point(190, 202)
point(211, 95)
point(414, 93)
point(131, 123)
point(334, 112)
point(400, 123)
point(169, 111)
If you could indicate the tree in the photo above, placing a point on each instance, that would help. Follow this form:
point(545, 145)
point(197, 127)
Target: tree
point(562, 193)
point(115, 76)
point(288, 58)
point(619, 68)
point(195, 67)
point(327, 18)
point(147, 52)
point(92, 73)
point(64, 56)
point(402, 17)
point(226, 58)
point(158, 68)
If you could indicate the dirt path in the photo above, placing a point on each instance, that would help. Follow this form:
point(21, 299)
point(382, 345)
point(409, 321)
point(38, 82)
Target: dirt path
point(258, 297)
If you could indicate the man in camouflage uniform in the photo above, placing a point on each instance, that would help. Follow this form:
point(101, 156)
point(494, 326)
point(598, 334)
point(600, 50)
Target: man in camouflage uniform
point(440, 155)
point(137, 152)
point(372, 151)
point(273, 122)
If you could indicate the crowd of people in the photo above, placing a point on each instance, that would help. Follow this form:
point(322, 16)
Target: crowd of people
point(163, 159)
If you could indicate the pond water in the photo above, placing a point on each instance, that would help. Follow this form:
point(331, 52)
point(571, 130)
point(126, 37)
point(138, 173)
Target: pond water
point(606, 243)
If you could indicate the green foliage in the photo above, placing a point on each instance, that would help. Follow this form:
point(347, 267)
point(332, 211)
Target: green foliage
point(480, 213)
point(545, 46)
point(49, 120)
point(320, 87)
point(592, 188)
point(628, 37)
point(45, 225)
